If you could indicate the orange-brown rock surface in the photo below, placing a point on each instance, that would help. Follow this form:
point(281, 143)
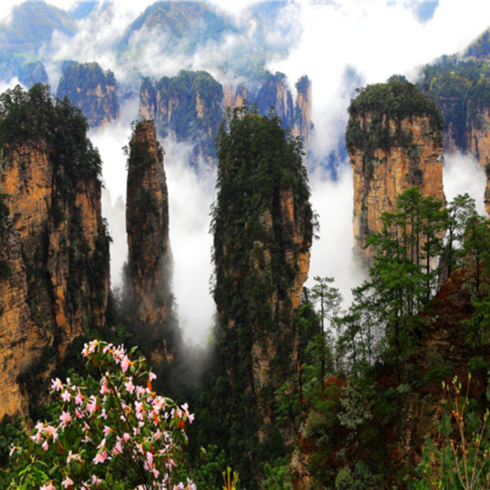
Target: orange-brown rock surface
point(55, 244)
point(411, 154)
point(149, 269)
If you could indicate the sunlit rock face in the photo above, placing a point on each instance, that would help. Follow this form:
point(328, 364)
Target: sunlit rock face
point(54, 249)
point(395, 141)
point(149, 268)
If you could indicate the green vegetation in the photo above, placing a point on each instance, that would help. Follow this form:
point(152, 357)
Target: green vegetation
point(384, 103)
point(192, 100)
point(480, 47)
point(35, 22)
point(185, 23)
point(375, 108)
point(258, 163)
point(461, 92)
point(33, 116)
point(91, 89)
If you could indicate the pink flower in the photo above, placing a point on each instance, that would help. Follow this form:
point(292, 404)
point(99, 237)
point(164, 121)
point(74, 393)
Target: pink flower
point(79, 398)
point(149, 459)
point(117, 448)
point(96, 481)
point(73, 457)
point(107, 431)
point(67, 482)
point(65, 418)
point(129, 386)
point(126, 437)
point(56, 384)
point(152, 376)
point(66, 396)
point(100, 457)
point(48, 486)
point(45, 445)
point(125, 363)
point(104, 388)
point(92, 406)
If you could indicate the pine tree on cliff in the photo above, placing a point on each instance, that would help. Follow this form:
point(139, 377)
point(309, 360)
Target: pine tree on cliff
point(262, 224)
point(148, 299)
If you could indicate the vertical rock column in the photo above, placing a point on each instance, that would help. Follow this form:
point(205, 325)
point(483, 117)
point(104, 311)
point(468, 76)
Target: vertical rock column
point(149, 269)
point(54, 247)
point(395, 141)
point(262, 235)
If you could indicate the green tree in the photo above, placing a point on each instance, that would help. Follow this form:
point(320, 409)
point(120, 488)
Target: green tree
point(330, 300)
point(404, 275)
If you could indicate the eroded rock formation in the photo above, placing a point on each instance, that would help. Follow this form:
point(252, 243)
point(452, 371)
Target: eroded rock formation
point(190, 105)
point(395, 141)
point(91, 89)
point(54, 245)
point(149, 268)
point(262, 235)
point(302, 113)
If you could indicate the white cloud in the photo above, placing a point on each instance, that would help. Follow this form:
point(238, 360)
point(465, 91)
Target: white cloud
point(463, 174)
point(190, 196)
point(331, 256)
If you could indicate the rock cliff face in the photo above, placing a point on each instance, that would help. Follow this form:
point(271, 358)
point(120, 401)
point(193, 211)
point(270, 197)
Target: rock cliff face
point(234, 97)
point(274, 92)
point(92, 90)
point(390, 152)
point(262, 235)
point(302, 112)
point(190, 105)
point(461, 92)
point(149, 268)
point(54, 241)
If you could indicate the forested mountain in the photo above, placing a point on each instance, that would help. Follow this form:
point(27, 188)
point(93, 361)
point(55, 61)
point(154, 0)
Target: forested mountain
point(91, 89)
point(31, 24)
point(183, 25)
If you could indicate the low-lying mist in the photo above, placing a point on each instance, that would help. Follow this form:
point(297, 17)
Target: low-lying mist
point(191, 192)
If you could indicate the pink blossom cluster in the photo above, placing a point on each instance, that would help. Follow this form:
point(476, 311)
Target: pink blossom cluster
point(124, 421)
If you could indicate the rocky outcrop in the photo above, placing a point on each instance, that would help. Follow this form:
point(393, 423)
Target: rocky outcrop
point(190, 105)
point(395, 141)
point(149, 268)
point(54, 239)
point(234, 97)
point(91, 89)
point(262, 224)
point(461, 92)
point(302, 112)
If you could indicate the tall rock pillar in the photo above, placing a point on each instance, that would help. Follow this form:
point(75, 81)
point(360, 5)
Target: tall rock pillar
point(54, 246)
point(395, 141)
point(149, 268)
point(262, 224)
